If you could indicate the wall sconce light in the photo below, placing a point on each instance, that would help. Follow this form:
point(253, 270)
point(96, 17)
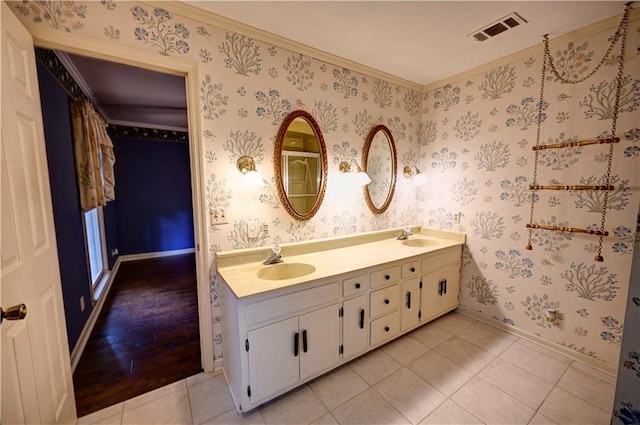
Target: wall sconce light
point(417, 178)
point(247, 166)
point(359, 176)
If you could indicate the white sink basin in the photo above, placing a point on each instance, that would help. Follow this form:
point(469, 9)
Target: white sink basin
point(285, 271)
point(419, 243)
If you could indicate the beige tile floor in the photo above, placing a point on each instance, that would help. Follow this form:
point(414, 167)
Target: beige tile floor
point(454, 370)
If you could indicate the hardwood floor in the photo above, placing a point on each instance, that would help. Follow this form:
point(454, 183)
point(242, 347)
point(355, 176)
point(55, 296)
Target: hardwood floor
point(146, 335)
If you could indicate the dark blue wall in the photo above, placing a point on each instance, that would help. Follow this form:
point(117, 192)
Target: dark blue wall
point(153, 195)
point(66, 204)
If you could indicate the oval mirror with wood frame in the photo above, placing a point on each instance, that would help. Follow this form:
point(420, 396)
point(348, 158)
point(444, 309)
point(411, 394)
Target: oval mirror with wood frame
point(300, 165)
point(379, 162)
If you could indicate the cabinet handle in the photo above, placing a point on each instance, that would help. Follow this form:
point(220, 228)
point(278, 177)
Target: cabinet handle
point(445, 285)
point(386, 300)
point(357, 286)
point(304, 341)
point(386, 329)
point(296, 342)
point(412, 269)
point(409, 299)
point(362, 318)
point(387, 277)
point(440, 287)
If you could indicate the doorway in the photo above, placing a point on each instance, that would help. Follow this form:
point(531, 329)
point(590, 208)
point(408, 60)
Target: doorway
point(151, 215)
point(198, 259)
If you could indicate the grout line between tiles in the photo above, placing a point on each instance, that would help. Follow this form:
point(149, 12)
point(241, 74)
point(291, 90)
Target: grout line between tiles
point(419, 377)
point(576, 395)
point(190, 404)
point(536, 410)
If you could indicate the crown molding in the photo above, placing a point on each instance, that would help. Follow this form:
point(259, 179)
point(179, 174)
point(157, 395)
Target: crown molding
point(79, 80)
point(55, 39)
point(218, 21)
point(145, 132)
point(604, 25)
point(58, 70)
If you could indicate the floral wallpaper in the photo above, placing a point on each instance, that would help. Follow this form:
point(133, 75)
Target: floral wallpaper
point(472, 138)
point(626, 406)
point(246, 90)
point(476, 147)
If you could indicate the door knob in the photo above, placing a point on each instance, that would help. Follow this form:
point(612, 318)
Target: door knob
point(17, 312)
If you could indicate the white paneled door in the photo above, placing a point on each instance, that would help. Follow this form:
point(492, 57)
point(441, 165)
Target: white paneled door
point(35, 377)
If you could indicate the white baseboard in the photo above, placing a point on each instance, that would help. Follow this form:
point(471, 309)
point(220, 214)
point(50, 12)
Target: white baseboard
point(78, 349)
point(147, 255)
point(97, 307)
point(595, 363)
point(218, 365)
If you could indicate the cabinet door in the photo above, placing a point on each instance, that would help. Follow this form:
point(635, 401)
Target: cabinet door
point(430, 300)
point(354, 325)
point(319, 340)
point(410, 299)
point(440, 292)
point(449, 298)
point(273, 361)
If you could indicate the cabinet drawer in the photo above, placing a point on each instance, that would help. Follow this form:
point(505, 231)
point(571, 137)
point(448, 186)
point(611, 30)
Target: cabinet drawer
point(385, 328)
point(385, 300)
point(291, 304)
point(385, 276)
point(411, 269)
point(435, 262)
point(355, 285)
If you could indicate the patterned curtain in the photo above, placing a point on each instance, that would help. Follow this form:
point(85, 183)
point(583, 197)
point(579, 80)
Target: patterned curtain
point(94, 155)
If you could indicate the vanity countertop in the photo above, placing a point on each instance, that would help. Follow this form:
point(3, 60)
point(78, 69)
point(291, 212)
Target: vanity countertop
point(330, 257)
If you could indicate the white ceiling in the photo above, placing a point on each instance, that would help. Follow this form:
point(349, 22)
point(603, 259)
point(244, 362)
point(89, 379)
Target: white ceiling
point(420, 42)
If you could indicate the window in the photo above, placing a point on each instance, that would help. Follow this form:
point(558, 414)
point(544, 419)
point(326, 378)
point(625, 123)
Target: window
point(96, 247)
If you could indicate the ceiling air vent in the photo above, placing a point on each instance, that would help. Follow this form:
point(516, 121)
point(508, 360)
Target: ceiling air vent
point(501, 25)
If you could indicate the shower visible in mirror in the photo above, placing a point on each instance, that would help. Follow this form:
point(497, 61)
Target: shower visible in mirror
point(300, 163)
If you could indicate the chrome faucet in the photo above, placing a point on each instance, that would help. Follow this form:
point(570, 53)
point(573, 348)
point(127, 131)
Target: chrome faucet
point(405, 234)
point(275, 256)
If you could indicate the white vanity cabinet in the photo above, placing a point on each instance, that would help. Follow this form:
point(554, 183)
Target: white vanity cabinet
point(435, 292)
point(285, 352)
point(440, 283)
point(355, 315)
point(278, 335)
point(440, 292)
point(384, 304)
point(411, 294)
point(274, 342)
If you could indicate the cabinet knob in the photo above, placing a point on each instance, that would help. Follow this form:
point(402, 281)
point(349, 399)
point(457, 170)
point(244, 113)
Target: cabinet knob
point(357, 286)
point(386, 301)
point(413, 269)
point(387, 277)
point(386, 329)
